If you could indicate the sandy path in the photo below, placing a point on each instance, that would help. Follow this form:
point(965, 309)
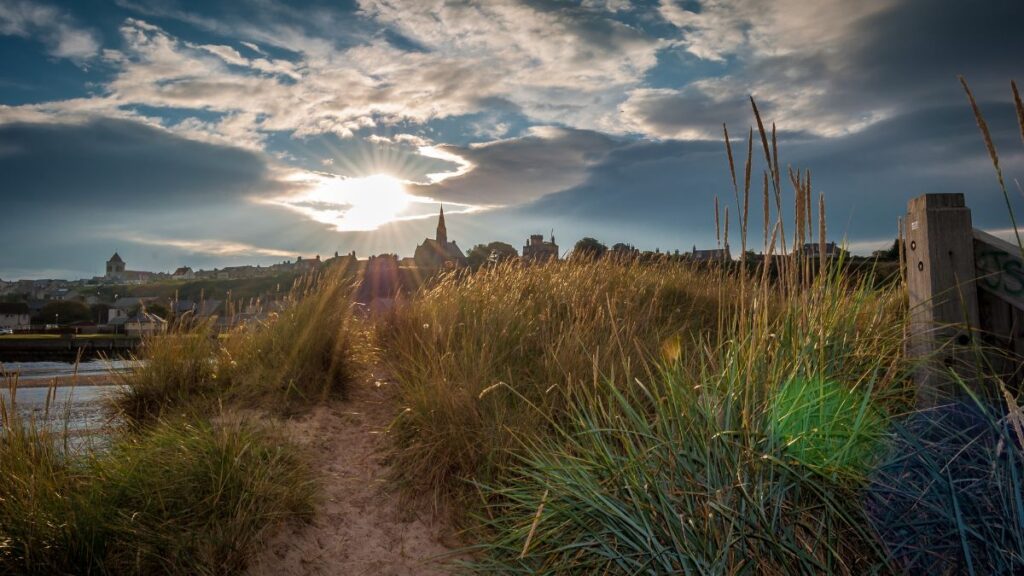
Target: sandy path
point(360, 527)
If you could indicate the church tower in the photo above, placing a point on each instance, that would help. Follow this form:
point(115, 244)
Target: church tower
point(442, 231)
point(115, 266)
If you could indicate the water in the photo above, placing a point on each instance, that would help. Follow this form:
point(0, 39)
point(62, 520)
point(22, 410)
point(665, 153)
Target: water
point(29, 371)
point(81, 408)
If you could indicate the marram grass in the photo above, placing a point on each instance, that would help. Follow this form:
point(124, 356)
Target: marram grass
point(304, 353)
point(182, 497)
point(742, 451)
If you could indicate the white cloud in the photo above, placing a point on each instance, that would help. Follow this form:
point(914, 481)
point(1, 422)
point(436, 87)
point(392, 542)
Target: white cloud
point(557, 66)
point(550, 65)
point(252, 47)
point(722, 28)
point(794, 57)
point(54, 28)
point(226, 53)
point(208, 246)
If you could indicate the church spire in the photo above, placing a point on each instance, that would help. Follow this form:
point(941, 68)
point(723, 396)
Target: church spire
point(442, 231)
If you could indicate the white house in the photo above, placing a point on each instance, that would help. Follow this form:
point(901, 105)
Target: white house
point(125, 307)
point(145, 324)
point(14, 315)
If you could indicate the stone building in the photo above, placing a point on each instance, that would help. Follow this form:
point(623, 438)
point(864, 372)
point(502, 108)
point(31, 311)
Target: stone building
point(116, 272)
point(537, 250)
point(438, 252)
point(14, 315)
point(115, 267)
point(813, 250)
point(716, 254)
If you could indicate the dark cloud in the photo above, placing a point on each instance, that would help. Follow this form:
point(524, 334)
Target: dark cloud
point(82, 190)
point(921, 45)
point(114, 164)
point(662, 194)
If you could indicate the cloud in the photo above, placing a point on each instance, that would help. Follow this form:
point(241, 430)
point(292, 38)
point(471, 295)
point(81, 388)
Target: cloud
point(557, 64)
point(226, 53)
point(54, 28)
point(662, 193)
point(829, 68)
point(718, 29)
point(112, 164)
point(208, 246)
point(81, 190)
point(520, 170)
point(564, 65)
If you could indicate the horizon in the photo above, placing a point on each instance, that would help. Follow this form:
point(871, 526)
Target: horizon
point(223, 134)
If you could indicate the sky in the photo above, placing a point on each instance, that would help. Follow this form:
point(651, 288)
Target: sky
point(205, 134)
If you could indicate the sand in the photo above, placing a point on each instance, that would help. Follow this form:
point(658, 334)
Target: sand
point(361, 527)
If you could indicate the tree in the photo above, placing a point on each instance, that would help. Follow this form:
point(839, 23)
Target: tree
point(158, 309)
point(891, 253)
point(99, 312)
point(624, 251)
point(495, 252)
point(65, 312)
point(589, 248)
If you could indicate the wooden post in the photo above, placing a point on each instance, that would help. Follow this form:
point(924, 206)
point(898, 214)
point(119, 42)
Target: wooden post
point(943, 295)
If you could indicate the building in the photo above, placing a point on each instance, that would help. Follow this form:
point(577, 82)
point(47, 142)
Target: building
point(126, 307)
point(117, 272)
point(537, 250)
point(813, 250)
point(115, 267)
point(183, 273)
point(717, 254)
point(439, 252)
point(15, 315)
point(145, 324)
point(307, 265)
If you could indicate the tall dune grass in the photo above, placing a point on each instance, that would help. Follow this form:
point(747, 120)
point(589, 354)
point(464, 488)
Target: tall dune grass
point(181, 490)
point(179, 497)
point(746, 457)
point(306, 352)
point(485, 359)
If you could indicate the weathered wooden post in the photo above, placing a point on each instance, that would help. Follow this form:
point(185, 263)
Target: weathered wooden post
point(943, 295)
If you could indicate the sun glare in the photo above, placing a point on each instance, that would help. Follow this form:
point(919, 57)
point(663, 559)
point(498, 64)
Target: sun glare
point(351, 204)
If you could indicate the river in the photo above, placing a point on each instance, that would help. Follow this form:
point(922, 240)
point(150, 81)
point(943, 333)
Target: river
point(81, 408)
point(33, 372)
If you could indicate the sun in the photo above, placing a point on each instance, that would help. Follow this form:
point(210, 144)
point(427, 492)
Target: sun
point(353, 204)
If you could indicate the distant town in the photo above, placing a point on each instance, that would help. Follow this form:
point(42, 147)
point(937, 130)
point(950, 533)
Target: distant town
point(137, 302)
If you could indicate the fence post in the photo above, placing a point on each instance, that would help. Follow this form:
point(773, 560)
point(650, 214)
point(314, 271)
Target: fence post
point(942, 291)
